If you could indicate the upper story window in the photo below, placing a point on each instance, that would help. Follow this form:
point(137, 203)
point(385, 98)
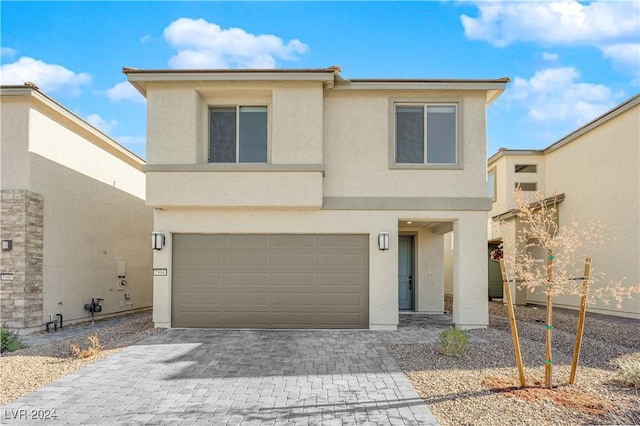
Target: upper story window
point(491, 184)
point(426, 134)
point(238, 134)
point(526, 168)
point(526, 186)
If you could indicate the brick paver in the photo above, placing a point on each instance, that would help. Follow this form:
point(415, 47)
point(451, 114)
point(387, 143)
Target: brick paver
point(247, 377)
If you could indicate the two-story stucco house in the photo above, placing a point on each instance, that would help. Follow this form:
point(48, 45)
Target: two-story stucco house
point(74, 224)
point(298, 198)
point(593, 172)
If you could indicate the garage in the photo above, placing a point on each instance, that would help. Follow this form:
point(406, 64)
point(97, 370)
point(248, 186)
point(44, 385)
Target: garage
point(270, 281)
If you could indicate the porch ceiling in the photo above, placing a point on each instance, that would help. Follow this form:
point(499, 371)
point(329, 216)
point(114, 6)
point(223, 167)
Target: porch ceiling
point(435, 227)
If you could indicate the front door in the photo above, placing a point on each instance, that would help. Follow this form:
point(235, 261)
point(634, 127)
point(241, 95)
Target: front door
point(405, 272)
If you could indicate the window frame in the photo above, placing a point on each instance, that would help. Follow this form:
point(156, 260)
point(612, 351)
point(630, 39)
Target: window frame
point(519, 185)
point(495, 183)
point(237, 107)
point(521, 168)
point(457, 103)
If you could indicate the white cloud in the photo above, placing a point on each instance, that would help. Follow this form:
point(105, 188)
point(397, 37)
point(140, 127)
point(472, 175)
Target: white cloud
point(48, 77)
point(102, 124)
point(124, 91)
point(600, 24)
point(146, 39)
point(556, 95)
point(549, 56)
point(7, 52)
point(201, 44)
point(627, 54)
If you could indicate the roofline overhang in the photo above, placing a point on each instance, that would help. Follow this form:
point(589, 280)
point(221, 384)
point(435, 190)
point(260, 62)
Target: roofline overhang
point(493, 87)
point(98, 138)
point(554, 199)
point(598, 121)
point(138, 78)
point(329, 76)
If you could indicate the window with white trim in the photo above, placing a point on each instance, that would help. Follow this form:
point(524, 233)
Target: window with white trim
point(238, 134)
point(491, 184)
point(426, 134)
point(526, 186)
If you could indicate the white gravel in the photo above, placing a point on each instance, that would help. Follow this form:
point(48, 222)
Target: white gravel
point(454, 391)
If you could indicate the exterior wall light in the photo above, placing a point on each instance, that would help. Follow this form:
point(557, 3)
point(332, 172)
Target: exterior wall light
point(157, 240)
point(383, 241)
point(7, 245)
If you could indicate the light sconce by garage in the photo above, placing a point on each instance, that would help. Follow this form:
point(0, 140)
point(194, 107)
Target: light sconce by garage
point(383, 241)
point(7, 245)
point(157, 240)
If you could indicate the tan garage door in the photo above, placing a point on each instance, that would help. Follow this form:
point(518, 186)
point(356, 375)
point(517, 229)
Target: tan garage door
point(270, 281)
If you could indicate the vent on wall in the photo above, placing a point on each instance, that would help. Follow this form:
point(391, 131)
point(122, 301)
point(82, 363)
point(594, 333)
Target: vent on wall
point(527, 186)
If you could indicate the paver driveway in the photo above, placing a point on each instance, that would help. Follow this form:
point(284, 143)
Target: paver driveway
point(197, 376)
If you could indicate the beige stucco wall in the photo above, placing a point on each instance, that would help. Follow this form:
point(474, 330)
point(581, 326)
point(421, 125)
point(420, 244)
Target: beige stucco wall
point(383, 265)
point(14, 170)
point(357, 138)
point(346, 133)
point(94, 211)
point(600, 175)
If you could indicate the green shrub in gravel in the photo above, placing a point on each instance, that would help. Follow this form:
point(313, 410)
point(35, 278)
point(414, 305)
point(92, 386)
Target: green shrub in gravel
point(629, 373)
point(9, 340)
point(454, 341)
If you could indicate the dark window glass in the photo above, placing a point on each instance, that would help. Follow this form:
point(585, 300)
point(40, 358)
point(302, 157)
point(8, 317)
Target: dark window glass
point(222, 135)
point(409, 134)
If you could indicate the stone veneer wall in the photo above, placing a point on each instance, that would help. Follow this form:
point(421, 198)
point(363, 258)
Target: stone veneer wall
point(22, 221)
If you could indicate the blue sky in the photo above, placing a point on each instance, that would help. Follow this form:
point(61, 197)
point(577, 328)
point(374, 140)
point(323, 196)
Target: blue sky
point(569, 61)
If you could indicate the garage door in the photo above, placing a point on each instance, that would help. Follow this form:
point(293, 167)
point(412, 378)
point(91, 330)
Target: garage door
point(270, 281)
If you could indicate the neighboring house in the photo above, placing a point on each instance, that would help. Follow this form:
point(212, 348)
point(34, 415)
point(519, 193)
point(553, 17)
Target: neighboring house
point(594, 172)
point(74, 221)
point(279, 191)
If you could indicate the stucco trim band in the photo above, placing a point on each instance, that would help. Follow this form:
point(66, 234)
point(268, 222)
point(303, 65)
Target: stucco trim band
point(233, 167)
point(407, 203)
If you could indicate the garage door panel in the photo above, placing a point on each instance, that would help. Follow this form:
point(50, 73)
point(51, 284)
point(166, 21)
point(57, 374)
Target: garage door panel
point(197, 259)
point(270, 281)
point(293, 300)
point(303, 261)
point(294, 242)
point(252, 241)
point(246, 300)
point(198, 241)
point(340, 241)
point(246, 319)
point(202, 297)
point(292, 279)
point(342, 260)
point(339, 320)
point(260, 279)
point(247, 260)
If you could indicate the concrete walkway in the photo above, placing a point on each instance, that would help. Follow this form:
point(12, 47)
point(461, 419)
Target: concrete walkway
point(248, 377)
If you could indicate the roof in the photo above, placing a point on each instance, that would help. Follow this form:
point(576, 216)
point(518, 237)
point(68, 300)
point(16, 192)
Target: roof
point(330, 77)
point(89, 132)
point(554, 199)
point(598, 121)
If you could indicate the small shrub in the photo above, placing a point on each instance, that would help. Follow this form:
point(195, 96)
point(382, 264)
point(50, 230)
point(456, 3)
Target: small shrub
point(94, 349)
point(629, 373)
point(454, 341)
point(9, 340)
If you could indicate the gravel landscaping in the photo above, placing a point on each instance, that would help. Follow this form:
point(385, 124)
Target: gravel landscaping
point(458, 389)
point(476, 388)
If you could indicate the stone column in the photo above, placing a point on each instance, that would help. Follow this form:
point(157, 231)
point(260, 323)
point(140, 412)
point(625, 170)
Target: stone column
point(21, 289)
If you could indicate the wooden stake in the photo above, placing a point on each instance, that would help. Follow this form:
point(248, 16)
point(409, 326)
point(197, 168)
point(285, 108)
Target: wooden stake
point(547, 344)
point(581, 315)
point(512, 322)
